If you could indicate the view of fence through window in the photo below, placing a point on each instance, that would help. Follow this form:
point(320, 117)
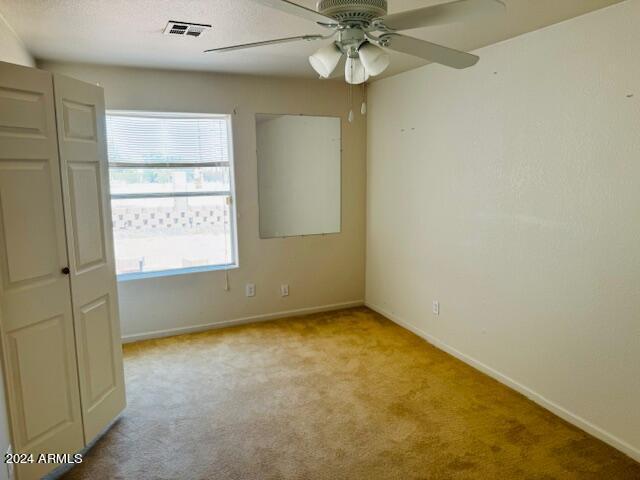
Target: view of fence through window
point(171, 190)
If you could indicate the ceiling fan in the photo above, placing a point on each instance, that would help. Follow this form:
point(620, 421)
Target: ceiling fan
point(363, 26)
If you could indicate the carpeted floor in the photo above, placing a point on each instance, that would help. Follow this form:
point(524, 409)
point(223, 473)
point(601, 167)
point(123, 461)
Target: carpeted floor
point(343, 395)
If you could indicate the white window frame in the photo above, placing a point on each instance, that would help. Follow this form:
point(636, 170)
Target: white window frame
point(231, 193)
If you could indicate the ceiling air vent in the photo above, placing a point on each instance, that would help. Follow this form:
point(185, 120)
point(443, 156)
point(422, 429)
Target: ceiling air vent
point(185, 29)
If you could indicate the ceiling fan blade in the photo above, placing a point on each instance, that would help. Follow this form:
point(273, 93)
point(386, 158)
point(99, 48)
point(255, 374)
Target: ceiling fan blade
point(266, 42)
point(428, 51)
point(298, 10)
point(451, 12)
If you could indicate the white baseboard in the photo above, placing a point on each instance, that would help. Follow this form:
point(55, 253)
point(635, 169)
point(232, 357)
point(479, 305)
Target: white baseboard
point(561, 412)
point(239, 321)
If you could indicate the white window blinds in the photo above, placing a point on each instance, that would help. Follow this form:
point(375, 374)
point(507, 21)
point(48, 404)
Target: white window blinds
point(161, 139)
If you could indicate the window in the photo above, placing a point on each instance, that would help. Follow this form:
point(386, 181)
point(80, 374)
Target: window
point(172, 192)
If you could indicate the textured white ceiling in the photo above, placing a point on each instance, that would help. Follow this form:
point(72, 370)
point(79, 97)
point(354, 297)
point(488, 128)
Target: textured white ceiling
point(129, 32)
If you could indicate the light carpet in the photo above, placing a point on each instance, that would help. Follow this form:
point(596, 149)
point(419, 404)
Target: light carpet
point(342, 395)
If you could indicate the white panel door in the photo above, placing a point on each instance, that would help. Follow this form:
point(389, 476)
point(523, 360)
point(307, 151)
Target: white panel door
point(36, 313)
point(85, 181)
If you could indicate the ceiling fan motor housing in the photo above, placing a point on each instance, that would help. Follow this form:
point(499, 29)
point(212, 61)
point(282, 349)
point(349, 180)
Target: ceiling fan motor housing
point(345, 11)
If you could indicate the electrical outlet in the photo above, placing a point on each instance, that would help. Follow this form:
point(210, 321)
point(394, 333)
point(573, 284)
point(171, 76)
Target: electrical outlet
point(284, 290)
point(435, 308)
point(10, 473)
point(250, 290)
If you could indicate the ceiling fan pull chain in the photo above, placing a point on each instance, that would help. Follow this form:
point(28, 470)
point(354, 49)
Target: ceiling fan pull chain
point(350, 118)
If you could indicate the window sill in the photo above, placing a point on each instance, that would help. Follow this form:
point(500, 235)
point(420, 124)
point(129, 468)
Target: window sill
point(126, 277)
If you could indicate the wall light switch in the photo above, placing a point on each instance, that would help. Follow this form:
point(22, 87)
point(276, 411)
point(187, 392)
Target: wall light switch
point(436, 307)
point(250, 290)
point(284, 290)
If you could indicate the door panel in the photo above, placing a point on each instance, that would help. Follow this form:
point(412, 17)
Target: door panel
point(22, 112)
point(79, 121)
point(83, 159)
point(101, 365)
point(26, 192)
point(36, 311)
point(49, 339)
point(84, 197)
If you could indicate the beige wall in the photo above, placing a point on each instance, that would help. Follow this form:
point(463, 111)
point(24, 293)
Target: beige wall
point(510, 192)
point(321, 270)
point(12, 50)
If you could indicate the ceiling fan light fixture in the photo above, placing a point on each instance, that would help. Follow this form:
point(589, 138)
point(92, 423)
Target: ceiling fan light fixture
point(354, 71)
point(326, 59)
point(374, 59)
point(355, 23)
